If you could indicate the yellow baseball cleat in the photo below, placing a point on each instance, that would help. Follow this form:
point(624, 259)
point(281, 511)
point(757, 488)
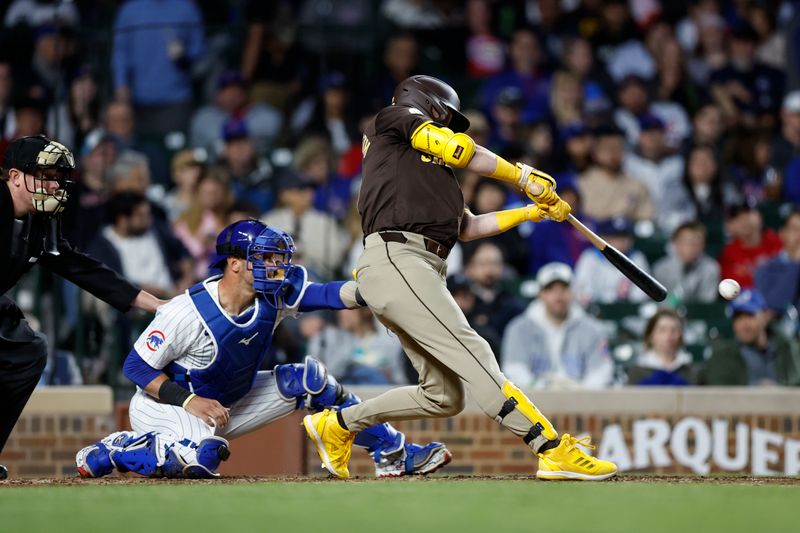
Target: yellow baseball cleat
point(333, 442)
point(568, 461)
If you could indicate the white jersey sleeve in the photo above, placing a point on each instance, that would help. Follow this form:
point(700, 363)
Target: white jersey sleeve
point(173, 332)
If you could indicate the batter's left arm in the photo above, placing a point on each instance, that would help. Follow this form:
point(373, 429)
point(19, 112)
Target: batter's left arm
point(489, 224)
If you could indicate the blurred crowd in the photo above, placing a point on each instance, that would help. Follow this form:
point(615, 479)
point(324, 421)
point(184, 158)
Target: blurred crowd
point(673, 129)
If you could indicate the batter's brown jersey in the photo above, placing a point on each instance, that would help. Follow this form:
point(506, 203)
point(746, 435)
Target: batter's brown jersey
point(403, 189)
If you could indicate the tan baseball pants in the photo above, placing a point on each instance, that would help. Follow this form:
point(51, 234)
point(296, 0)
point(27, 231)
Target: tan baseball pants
point(404, 286)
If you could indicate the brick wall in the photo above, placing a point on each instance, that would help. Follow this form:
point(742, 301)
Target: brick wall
point(55, 424)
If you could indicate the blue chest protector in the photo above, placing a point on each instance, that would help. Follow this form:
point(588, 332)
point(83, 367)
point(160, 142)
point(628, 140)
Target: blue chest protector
point(240, 350)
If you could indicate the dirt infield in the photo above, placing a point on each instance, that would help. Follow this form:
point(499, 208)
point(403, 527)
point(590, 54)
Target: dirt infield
point(628, 478)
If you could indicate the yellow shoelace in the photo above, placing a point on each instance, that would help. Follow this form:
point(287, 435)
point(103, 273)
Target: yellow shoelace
point(583, 441)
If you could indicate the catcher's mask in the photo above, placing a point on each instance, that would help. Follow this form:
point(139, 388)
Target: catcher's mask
point(48, 162)
point(433, 97)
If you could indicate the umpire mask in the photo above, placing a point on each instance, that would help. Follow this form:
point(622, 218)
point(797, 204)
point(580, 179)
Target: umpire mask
point(50, 163)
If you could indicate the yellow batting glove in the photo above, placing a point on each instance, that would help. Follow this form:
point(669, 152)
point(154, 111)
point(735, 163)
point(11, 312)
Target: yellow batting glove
point(557, 211)
point(528, 176)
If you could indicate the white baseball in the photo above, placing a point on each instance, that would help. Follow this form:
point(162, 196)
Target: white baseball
point(729, 288)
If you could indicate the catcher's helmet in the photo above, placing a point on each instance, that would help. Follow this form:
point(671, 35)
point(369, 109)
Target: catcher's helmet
point(235, 240)
point(434, 98)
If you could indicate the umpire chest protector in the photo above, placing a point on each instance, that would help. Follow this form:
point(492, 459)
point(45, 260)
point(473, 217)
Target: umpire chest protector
point(239, 349)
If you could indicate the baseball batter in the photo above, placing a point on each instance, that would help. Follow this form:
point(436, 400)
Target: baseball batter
point(412, 213)
point(197, 369)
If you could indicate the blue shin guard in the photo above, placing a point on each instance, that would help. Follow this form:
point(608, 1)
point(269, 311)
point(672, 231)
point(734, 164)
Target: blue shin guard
point(211, 451)
point(139, 455)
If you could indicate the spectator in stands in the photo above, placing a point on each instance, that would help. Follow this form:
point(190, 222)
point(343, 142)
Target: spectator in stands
point(84, 105)
point(155, 45)
point(707, 129)
point(747, 170)
point(461, 289)
point(494, 305)
point(231, 101)
point(751, 244)
point(778, 279)
point(119, 120)
point(525, 72)
point(687, 273)
point(578, 59)
point(786, 148)
point(549, 241)
point(490, 196)
point(187, 167)
point(484, 51)
point(132, 246)
point(358, 351)
point(605, 189)
point(566, 99)
point(249, 176)
point(673, 83)
point(597, 280)
point(328, 114)
point(578, 141)
point(92, 188)
point(771, 46)
point(634, 102)
point(664, 361)
point(204, 219)
point(507, 113)
point(400, 59)
point(758, 355)
point(554, 343)
point(322, 243)
point(661, 171)
point(701, 179)
point(313, 161)
point(745, 88)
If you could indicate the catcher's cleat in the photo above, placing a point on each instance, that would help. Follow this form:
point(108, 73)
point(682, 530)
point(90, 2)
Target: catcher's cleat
point(413, 460)
point(333, 442)
point(3, 472)
point(568, 461)
point(95, 460)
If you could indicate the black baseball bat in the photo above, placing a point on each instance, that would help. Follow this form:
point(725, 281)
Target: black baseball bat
point(639, 277)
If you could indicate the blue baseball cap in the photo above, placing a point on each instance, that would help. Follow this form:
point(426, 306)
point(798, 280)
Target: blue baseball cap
point(334, 80)
point(574, 129)
point(615, 226)
point(235, 128)
point(748, 302)
point(648, 121)
point(230, 77)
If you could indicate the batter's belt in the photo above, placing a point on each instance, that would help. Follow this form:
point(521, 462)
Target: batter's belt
point(414, 239)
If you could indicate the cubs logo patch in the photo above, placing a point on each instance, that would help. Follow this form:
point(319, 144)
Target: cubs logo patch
point(155, 339)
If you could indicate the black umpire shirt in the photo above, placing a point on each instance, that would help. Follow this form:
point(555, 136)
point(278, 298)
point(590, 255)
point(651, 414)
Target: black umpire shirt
point(403, 189)
point(22, 246)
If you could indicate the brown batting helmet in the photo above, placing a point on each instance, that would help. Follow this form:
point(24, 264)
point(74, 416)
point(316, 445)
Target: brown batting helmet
point(434, 98)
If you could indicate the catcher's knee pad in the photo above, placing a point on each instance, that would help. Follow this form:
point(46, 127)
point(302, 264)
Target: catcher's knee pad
point(298, 380)
point(541, 431)
point(139, 455)
point(211, 451)
point(380, 439)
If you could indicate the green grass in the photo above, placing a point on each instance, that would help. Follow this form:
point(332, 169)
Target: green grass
point(382, 507)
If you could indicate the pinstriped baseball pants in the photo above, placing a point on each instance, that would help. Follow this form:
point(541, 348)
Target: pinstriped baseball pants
point(404, 286)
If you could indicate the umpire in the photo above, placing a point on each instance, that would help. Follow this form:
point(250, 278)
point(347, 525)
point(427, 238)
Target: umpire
point(35, 174)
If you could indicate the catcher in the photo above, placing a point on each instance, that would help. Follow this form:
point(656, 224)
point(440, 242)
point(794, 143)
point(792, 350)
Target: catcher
point(197, 369)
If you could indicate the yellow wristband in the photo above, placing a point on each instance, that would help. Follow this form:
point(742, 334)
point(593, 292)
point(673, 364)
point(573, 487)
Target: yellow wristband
point(505, 171)
point(187, 400)
point(511, 217)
